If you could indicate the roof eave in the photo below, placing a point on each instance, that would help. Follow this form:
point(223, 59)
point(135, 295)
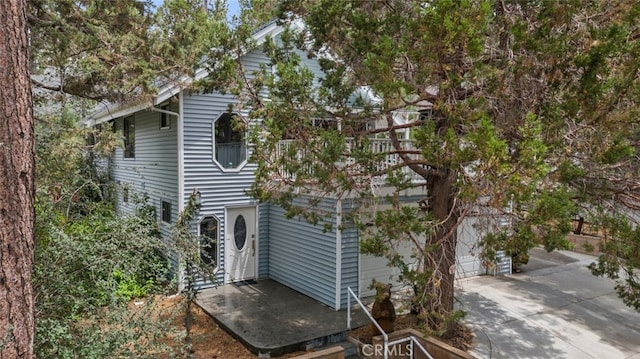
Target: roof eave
point(113, 111)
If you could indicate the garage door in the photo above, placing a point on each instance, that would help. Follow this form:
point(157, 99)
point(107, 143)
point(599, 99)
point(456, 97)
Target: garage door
point(468, 262)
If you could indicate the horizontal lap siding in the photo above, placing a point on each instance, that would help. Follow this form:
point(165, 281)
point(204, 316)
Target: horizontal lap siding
point(350, 252)
point(263, 242)
point(302, 257)
point(153, 171)
point(218, 188)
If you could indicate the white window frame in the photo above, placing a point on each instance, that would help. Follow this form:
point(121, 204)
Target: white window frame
point(162, 211)
point(245, 136)
point(217, 240)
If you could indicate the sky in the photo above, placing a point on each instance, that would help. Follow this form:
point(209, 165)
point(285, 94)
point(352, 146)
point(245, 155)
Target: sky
point(234, 7)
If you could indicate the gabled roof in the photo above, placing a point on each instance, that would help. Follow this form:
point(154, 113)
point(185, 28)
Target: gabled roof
point(109, 111)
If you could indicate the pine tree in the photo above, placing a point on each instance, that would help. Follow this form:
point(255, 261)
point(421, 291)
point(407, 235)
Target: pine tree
point(524, 113)
point(16, 185)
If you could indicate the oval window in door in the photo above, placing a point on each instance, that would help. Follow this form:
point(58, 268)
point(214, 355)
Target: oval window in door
point(240, 232)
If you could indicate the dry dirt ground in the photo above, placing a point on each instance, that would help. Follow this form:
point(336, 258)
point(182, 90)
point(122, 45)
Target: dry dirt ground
point(208, 340)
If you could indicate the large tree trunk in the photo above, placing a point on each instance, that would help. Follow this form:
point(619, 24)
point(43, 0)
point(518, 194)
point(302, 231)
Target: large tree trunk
point(16, 184)
point(440, 254)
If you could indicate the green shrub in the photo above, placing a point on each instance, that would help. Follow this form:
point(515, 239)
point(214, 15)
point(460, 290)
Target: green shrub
point(129, 287)
point(85, 270)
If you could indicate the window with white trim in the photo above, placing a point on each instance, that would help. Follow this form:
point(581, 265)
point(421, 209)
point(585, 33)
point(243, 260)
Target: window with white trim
point(209, 248)
point(230, 145)
point(166, 212)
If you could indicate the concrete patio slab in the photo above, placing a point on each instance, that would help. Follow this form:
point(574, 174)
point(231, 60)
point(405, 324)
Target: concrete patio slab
point(555, 308)
point(272, 319)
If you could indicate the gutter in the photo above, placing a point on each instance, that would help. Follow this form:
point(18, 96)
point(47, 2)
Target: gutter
point(180, 147)
point(338, 253)
point(180, 194)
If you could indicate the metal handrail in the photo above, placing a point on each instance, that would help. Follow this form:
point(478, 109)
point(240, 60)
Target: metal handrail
point(411, 338)
point(413, 341)
point(422, 348)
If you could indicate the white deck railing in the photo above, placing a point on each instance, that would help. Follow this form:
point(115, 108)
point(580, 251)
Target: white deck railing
point(387, 158)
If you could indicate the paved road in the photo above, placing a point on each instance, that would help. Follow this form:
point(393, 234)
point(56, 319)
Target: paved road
point(555, 308)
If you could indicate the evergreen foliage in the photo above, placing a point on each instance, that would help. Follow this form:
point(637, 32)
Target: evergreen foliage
point(524, 114)
point(89, 263)
point(191, 253)
point(120, 50)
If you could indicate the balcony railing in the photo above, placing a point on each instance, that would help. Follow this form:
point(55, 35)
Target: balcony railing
point(382, 157)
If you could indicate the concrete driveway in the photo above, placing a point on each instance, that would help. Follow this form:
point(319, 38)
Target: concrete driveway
point(554, 308)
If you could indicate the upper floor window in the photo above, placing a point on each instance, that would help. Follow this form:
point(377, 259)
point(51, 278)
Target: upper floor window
point(229, 147)
point(165, 118)
point(129, 134)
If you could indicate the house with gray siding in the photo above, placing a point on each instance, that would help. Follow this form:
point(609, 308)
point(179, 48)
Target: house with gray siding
point(183, 143)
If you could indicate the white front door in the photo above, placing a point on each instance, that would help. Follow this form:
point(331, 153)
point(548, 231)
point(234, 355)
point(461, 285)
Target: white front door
point(241, 243)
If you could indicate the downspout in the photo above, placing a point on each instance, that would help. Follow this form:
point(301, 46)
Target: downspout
point(181, 281)
point(180, 148)
point(338, 253)
point(338, 243)
point(181, 151)
point(155, 109)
